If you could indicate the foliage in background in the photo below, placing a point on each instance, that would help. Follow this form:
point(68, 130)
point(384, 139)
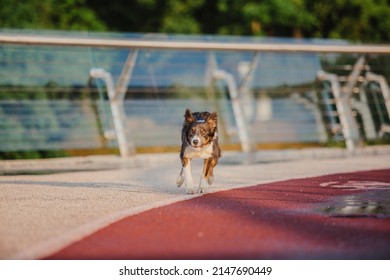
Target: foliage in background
point(49, 14)
point(357, 20)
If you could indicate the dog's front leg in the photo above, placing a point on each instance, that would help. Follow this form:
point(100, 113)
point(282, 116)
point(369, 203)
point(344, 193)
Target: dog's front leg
point(188, 176)
point(180, 178)
point(207, 175)
point(202, 185)
point(204, 178)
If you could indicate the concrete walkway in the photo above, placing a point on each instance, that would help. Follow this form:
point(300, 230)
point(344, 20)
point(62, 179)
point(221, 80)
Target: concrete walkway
point(41, 214)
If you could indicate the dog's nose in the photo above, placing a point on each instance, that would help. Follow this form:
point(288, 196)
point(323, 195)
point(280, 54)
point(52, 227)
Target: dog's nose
point(195, 141)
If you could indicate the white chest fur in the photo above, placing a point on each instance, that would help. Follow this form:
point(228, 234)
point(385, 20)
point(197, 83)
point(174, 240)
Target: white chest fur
point(204, 152)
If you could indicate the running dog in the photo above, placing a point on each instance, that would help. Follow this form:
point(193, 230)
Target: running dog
point(199, 137)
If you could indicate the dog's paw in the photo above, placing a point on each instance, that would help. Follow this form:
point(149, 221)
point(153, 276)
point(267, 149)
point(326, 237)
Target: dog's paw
point(210, 180)
point(191, 191)
point(202, 185)
point(179, 181)
point(201, 190)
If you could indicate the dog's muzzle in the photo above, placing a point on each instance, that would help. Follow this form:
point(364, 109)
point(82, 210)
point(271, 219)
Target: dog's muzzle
point(195, 142)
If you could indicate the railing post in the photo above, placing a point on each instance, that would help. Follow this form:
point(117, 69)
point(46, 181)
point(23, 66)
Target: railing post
point(348, 124)
point(126, 147)
point(383, 86)
point(125, 77)
point(242, 128)
point(246, 71)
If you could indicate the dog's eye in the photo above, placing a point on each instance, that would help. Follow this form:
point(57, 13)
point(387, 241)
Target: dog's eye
point(203, 131)
point(192, 131)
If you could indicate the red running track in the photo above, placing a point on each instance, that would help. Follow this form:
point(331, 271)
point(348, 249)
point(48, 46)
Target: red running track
point(290, 219)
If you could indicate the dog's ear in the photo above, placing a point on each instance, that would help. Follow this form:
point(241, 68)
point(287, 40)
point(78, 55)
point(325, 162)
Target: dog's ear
point(212, 121)
point(188, 117)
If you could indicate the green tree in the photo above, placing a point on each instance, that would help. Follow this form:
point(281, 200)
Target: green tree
point(49, 14)
point(359, 20)
point(137, 16)
point(180, 17)
point(278, 17)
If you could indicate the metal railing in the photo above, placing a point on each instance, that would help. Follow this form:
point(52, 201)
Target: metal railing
point(237, 90)
point(188, 45)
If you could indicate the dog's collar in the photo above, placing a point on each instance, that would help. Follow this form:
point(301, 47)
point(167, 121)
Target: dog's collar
point(199, 120)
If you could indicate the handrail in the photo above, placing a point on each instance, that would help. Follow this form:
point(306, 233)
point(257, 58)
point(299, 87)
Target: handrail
point(188, 45)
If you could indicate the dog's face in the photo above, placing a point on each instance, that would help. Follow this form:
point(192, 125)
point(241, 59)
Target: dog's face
point(201, 128)
point(199, 135)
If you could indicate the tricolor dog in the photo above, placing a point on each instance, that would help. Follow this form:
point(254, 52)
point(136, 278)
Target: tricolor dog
point(199, 140)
